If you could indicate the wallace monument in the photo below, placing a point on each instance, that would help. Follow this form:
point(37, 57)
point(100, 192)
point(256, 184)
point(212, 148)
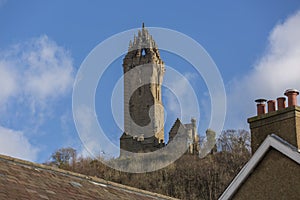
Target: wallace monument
point(144, 70)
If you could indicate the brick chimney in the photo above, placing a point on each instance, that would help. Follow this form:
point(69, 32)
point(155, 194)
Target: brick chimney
point(281, 103)
point(271, 106)
point(292, 96)
point(284, 122)
point(261, 106)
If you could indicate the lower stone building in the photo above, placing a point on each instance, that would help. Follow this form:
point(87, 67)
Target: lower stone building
point(192, 138)
point(140, 144)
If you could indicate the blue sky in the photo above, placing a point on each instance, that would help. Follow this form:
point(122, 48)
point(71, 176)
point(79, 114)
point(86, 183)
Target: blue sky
point(255, 45)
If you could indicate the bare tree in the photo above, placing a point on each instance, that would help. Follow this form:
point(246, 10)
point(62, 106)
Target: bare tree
point(64, 158)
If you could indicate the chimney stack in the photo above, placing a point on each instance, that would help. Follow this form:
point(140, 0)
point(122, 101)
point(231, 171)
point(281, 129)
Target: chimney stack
point(281, 103)
point(285, 122)
point(292, 96)
point(261, 106)
point(271, 106)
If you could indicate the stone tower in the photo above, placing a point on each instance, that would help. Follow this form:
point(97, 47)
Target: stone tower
point(143, 109)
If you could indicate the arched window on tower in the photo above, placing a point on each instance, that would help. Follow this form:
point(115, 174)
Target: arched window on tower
point(143, 52)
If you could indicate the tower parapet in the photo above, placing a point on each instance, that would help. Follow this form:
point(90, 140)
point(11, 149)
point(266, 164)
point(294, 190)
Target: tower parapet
point(142, 50)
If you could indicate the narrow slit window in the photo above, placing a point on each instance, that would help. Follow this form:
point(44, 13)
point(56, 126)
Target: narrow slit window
point(143, 52)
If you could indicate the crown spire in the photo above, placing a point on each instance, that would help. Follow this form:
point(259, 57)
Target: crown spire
point(142, 40)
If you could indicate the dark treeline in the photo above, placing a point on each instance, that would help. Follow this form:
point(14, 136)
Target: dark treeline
point(188, 178)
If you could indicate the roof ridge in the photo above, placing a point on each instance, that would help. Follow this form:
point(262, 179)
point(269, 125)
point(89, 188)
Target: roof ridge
point(276, 137)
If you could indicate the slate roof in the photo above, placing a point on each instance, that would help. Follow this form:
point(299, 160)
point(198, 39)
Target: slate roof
point(21, 179)
point(272, 141)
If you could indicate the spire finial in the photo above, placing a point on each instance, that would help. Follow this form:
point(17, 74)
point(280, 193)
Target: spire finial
point(143, 25)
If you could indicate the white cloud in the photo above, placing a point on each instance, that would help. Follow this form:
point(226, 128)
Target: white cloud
point(8, 84)
point(49, 70)
point(35, 72)
point(34, 75)
point(14, 143)
point(277, 70)
point(39, 68)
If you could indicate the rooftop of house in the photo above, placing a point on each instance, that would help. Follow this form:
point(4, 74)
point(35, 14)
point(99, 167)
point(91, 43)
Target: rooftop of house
point(21, 179)
point(271, 142)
